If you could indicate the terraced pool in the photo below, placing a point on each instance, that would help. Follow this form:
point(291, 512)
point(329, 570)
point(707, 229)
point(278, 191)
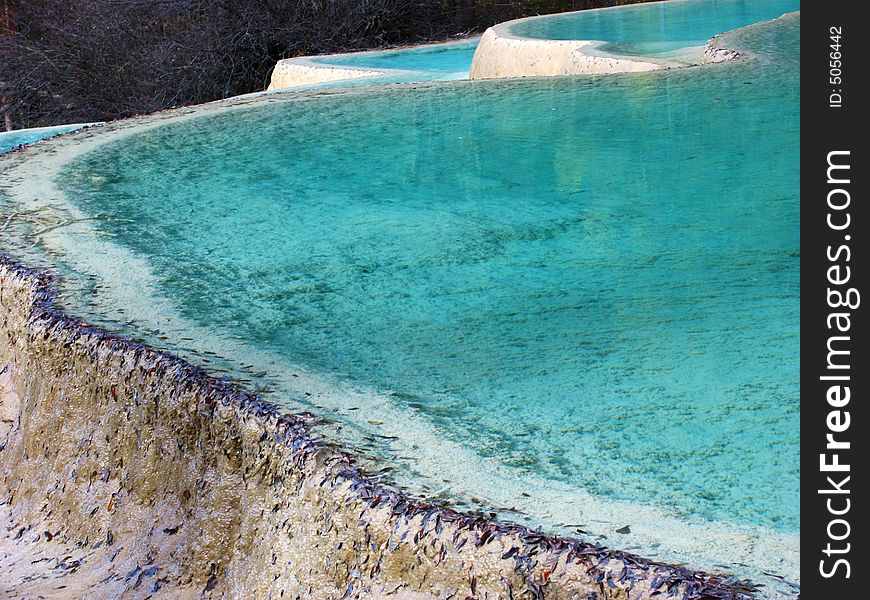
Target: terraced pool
point(435, 61)
point(654, 28)
point(574, 301)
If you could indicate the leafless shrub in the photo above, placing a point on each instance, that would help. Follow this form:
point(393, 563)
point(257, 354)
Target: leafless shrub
point(83, 60)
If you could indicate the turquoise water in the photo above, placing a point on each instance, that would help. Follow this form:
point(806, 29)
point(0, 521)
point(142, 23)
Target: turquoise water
point(590, 279)
point(658, 27)
point(12, 139)
point(436, 62)
point(440, 58)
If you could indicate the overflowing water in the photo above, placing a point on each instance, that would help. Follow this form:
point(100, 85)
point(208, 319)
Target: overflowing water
point(436, 62)
point(656, 27)
point(20, 137)
point(588, 281)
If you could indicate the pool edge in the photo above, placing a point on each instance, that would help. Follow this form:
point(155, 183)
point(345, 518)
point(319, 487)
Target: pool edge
point(268, 506)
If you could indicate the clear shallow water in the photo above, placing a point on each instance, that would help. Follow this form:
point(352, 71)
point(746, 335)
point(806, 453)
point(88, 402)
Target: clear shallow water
point(12, 139)
point(658, 27)
point(595, 280)
point(434, 59)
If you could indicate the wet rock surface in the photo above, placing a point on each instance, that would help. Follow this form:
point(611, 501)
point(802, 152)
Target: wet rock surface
point(128, 473)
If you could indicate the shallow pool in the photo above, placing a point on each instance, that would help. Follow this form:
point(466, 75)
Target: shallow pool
point(657, 27)
point(573, 301)
point(19, 137)
point(596, 280)
point(437, 61)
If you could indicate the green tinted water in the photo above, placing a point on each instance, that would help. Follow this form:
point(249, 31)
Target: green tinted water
point(437, 61)
point(18, 137)
point(590, 279)
point(657, 27)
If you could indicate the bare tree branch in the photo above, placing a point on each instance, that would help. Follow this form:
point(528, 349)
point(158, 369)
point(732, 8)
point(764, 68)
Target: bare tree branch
point(85, 60)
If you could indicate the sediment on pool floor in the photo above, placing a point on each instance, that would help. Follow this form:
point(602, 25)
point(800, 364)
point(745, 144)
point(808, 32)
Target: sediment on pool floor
point(128, 471)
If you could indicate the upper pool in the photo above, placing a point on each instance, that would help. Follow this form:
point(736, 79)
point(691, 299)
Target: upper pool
point(574, 300)
point(18, 137)
point(656, 27)
point(438, 60)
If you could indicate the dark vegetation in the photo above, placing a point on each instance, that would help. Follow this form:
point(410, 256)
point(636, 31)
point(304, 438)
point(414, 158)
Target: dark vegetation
point(66, 61)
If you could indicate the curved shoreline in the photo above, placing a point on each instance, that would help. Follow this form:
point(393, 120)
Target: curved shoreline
point(156, 118)
point(503, 53)
point(307, 70)
point(273, 509)
point(125, 280)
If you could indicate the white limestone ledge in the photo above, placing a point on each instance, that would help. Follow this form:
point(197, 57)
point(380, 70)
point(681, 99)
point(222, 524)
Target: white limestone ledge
point(502, 54)
point(292, 72)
